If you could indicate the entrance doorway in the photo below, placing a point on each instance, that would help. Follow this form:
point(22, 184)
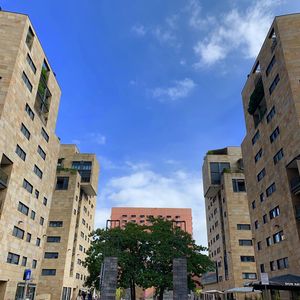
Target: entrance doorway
point(21, 290)
point(2, 289)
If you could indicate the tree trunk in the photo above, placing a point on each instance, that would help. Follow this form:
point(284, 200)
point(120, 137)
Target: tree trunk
point(132, 290)
point(161, 294)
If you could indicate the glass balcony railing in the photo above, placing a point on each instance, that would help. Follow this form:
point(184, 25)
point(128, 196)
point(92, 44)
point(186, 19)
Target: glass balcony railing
point(3, 179)
point(295, 185)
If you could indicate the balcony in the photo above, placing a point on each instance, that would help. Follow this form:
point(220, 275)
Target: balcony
point(3, 179)
point(298, 213)
point(257, 96)
point(295, 185)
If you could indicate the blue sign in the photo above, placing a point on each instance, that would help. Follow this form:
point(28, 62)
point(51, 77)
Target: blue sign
point(27, 274)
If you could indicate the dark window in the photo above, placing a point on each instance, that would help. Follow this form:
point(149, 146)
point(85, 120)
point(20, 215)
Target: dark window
point(21, 152)
point(256, 224)
point(23, 208)
point(48, 272)
point(272, 266)
point(274, 135)
point(265, 219)
point(55, 223)
point(275, 212)
point(27, 186)
point(27, 82)
point(13, 258)
point(271, 114)
point(32, 215)
point(245, 242)
point(258, 155)
point(45, 135)
point(53, 239)
point(247, 258)
point(28, 237)
point(24, 261)
point(249, 276)
point(18, 232)
point(51, 255)
point(83, 221)
point(38, 242)
point(259, 245)
point(45, 201)
point(262, 197)
point(84, 168)
point(25, 131)
point(62, 183)
point(41, 152)
point(282, 263)
point(255, 137)
point(253, 204)
point(278, 156)
point(274, 84)
point(262, 268)
point(31, 64)
point(216, 170)
point(80, 248)
point(238, 185)
point(261, 174)
point(29, 38)
point(36, 194)
point(270, 66)
point(42, 221)
point(243, 227)
point(278, 237)
point(29, 111)
point(268, 241)
point(38, 171)
point(271, 189)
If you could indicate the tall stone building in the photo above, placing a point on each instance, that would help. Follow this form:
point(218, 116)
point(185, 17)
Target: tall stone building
point(71, 220)
point(271, 148)
point(228, 222)
point(29, 101)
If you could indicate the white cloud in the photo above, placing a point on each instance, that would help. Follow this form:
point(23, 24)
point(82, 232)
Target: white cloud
point(237, 30)
point(164, 35)
point(97, 138)
point(139, 30)
point(146, 188)
point(180, 89)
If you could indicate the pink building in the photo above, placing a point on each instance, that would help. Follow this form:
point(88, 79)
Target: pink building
point(182, 217)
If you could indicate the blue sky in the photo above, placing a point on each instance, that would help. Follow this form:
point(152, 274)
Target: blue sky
point(151, 86)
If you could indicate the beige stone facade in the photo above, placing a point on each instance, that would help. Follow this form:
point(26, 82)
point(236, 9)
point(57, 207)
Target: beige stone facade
point(271, 148)
point(71, 220)
point(29, 101)
point(228, 222)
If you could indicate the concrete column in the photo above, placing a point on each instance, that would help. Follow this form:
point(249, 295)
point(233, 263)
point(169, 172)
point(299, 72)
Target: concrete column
point(180, 287)
point(109, 278)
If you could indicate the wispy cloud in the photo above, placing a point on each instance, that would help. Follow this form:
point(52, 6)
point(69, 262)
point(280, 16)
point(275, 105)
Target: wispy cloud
point(146, 188)
point(97, 138)
point(139, 30)
point(179, 90)
point(237, 29)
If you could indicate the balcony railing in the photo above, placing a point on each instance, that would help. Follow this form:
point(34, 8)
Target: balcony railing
point(3, 179)
point(295, 185)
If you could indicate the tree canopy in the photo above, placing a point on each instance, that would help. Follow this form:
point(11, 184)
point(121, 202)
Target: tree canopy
point(145, 255)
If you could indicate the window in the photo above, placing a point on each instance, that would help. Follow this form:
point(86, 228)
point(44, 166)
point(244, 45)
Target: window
point(271, 114)
point(278, 156)
point(216, 170)
point(21, 152)
point(238, 185)
point(124, 216)
point(45, 201)
point(53, 239)
point(31, 64)
point(258, 156)
point(262, 268)
point(253, 205)
point(245, 242)
point(261, 174)
point(259, 245)
point(41, 152)
point(83, 221)
point(48, 272)
point(274, 84)
point(249, 276)
point(265, 219)
point(278, 237)
point(255, 137)
point(23, 208)
point(27, 186)
point(243, 227)
point(247, 259)
point(77, 276)
point(262, 197)
point(38, 171)
point(38, 242)
point(25, 131)
point(55, 223)
point(84, 168)
point(28, 237)
point(36, 194)
point(272, 266)
point(82, 234)
point(27, 82)
point(62, 183)
point(29, 111)
point(217, 237)
point(45, 135)
point(270, 66)
point(275, 212)
point(51, 255)
point(268, 241)
point(282, 263)
point(42, 221)
point(256, 224)
point(13, 258)
point(274, 135)
point(80, 248)
point(271, 189)
point(29, 38)
point(18, 232)
point(24, 261)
